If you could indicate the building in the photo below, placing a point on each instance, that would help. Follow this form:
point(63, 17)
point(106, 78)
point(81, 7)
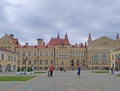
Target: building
point(98, 51)
point(115, 59)
point(58, 52)
point(95, 54)
point(7, 60)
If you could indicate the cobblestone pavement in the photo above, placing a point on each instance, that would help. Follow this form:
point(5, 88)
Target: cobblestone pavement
point(69, 81)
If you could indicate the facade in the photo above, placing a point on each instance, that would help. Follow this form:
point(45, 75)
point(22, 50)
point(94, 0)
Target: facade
point(115, 59)
point(58, 52)
point(95, 54)
point(99, 51)
point(7, 60)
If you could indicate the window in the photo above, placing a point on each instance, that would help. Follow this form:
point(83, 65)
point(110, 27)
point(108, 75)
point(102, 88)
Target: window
point(46, 53)
point(41, 62)
point(78, 54)
point(14, 58)
point(104, 57)
point(8, 58)
point(118, 56)
point(62, 56)
point(35, 62)
point(23, 53)
point(52, 54)
point(51, 62)
point(29, 62)
point(18, 62)
point(35, 53)
point(11, 58)
point(83, 54)
point(95, 57)
point(46, 62)
point(18, 53)
point(40, 53)
point(112, 57)
point(29, 53)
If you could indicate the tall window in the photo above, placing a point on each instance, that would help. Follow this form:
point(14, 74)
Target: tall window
point(35, 62)
point(95, 58)
point(51, 62)
point(35, 53)
point(41, 62)
point(104, 58)
point(8, 58)
point(29, 53)
point(40, 53)
point(18, 53)
point(46, 53)
point(23, 53)
point(52, 54)
point(18, 62)
point(78, 53)
point(46, 62)
point(62, 56)
point(112, 57)
point(118, 56)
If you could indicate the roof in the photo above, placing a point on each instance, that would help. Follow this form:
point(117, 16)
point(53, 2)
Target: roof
point(59, 41)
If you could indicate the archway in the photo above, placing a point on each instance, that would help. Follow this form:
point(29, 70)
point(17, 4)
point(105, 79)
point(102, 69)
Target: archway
point(8, 68)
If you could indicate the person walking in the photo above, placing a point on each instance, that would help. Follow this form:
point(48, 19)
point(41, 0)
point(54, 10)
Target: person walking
point(51, 70)
point(48, 71)
point(78, 70)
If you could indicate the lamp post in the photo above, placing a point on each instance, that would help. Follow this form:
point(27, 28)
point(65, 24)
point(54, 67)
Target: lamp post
point(92, 62)
point(25, 64)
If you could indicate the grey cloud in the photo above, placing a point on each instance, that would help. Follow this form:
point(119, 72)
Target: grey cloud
point(45, 18)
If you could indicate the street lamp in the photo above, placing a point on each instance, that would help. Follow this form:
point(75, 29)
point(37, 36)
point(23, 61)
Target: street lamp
point(92, 62)
point(25, 64)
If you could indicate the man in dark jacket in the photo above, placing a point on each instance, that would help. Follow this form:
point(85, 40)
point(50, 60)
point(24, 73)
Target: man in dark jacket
point(78, 70)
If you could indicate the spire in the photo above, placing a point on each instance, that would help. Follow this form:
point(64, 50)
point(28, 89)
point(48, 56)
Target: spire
point(66, 39)
point(89, 38)
point(117, 37)
point(58, 37)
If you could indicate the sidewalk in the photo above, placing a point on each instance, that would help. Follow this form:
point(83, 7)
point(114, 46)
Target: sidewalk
point(69, 81)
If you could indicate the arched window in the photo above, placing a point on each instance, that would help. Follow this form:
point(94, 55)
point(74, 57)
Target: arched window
point(104, 57)
point(95, 57)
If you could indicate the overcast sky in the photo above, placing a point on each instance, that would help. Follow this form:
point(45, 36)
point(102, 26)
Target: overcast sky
point(29, 20)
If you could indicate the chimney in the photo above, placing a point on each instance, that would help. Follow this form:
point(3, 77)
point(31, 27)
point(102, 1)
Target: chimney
point(40, 42)
point(43, 43)
point(11, 35)
point(26, 44)
point(81, 44)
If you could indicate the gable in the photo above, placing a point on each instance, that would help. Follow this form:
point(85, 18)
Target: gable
point(103, 41)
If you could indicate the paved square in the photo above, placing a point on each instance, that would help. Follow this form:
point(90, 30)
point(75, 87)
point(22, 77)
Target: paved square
point(67, 81)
